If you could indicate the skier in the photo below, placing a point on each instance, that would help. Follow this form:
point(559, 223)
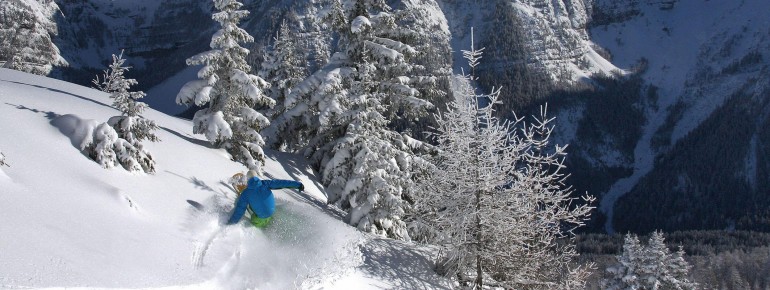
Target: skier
point(258, 199)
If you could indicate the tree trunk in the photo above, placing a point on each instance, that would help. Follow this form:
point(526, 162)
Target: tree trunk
point(479, 280)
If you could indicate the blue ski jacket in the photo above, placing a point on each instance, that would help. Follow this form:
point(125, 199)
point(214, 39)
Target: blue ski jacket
point(259, 196)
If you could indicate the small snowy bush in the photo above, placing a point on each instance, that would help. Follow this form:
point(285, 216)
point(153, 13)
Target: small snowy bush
point(130, 127)
point(107, 149)
point(101, 149)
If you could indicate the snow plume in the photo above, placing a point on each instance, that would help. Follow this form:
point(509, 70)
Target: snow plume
point(229, 90)
point(284, 255)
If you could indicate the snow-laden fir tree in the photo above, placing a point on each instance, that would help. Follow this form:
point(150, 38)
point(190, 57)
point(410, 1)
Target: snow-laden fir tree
point(113, 77)
point(625, 274)
point(283, 67)
point(109, 150)
point(26, 29)
point(432, 71)
point(229, 90)
point(648, 267)
point(339, 117)
point(662, 269)
point(495, 199)
point(130, 128)
point(679, 272)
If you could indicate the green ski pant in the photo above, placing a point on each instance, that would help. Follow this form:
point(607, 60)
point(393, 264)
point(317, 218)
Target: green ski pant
point(259, 222)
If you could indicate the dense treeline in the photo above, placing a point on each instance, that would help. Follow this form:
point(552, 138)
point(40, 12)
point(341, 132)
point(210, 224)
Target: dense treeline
point(709, 179)
point(695, 243)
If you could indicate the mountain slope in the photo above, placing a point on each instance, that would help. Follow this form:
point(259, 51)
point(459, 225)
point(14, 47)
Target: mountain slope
point(67, 222)
point(699, 163)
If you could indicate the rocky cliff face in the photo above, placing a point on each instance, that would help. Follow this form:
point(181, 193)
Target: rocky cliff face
point(532, 47)
point(155, 35)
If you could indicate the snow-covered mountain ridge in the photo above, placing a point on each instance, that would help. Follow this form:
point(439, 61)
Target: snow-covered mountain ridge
point(67, 222)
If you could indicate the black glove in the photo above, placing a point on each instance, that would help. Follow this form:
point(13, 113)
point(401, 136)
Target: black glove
point(301, 187)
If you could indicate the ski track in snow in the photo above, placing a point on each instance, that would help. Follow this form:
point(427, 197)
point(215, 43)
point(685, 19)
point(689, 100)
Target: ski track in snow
point(201, 248)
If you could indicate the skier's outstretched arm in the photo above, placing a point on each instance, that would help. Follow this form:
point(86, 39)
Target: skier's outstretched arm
point(278, 184)
point(239, 210)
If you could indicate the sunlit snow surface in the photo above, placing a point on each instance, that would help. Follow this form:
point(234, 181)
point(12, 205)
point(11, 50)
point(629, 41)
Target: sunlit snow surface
point(67, 222)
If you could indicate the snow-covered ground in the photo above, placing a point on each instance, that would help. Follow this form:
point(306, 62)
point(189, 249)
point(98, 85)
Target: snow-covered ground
point(67, 222)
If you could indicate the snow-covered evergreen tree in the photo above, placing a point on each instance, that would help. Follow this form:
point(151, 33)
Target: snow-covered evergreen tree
point(649, 267)
point(26, 28)
point(496, 199)
point(122, 145)
point(113, 77)
point(663, 270)
point(625, 274)
point(107, 149)
point(229, 90)
point(655, 258)
point(679, 271)
point(339, 117)
point(283, 67)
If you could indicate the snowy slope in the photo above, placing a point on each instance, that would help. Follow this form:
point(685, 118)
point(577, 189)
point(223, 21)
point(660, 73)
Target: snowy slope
point(67, 222)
